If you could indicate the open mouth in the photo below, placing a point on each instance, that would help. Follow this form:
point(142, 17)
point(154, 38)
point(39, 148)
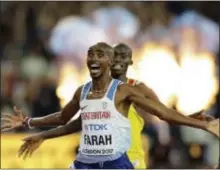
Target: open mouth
point(117, 67)
point(95, 68)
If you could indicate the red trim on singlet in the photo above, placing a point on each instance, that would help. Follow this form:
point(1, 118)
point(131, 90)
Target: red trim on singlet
point(131, 82)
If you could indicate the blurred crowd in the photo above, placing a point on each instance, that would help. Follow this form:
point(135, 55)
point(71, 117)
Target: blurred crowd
point(42, 42)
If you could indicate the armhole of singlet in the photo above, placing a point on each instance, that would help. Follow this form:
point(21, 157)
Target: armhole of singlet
point(113, 88)
point(85, 90)
point(132, 82)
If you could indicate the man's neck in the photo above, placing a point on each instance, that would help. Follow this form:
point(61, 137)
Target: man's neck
point(101, 83)
point(121, 77)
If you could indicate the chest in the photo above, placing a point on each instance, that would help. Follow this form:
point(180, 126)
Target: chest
point(96, 102)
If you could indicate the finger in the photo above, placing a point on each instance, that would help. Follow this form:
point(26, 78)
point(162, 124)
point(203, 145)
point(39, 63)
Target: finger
point(21, 152)
point(209, 118)
point(6, 125)
point(201, 117)
point(3, 129)
point(217, 134)
point(7, 115)
point(198, 117)
point(6, 119)
point(198, 113)
point(32, 151)
point(22, 149)
point(8, 129)
point(27, 152)
point(201, 111)
point(17, 111)
point(215, 123)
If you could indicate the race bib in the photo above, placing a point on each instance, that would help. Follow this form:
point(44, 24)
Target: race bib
point(97, 139)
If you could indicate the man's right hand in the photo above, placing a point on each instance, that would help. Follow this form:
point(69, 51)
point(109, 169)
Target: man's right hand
point(12, 121)
point(214, 127)
point(202, 116)
point(30, 145)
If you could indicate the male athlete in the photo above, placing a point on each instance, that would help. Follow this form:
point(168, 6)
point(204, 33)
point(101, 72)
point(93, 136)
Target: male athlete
point(99, 60)
point(122, 59)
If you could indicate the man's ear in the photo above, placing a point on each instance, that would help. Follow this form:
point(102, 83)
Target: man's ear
point(131, 62)
point(111, 62)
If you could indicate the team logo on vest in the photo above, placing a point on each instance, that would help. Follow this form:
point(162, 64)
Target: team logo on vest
point(84, 107)
point(104, 105)
point(95, 127)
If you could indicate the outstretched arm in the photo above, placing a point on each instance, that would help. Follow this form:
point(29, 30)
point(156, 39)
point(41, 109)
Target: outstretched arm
point(161, 111)
point(59, 118)
point(11, 122)
point(33, 142)
point(166, 114)
point(72, 127)
point(53, 119)
point(148, 93)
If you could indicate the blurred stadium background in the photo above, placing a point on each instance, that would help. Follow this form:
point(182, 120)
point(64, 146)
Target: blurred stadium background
point(175, 50)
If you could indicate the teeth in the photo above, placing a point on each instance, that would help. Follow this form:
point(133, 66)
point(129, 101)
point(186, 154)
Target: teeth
point(94, 65)
point(117, 66)
point(94, 71)
point(95, 68)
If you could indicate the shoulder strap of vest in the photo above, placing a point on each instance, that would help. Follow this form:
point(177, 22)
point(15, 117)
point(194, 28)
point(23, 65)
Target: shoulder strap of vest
point(112, 89)
point(85, 90)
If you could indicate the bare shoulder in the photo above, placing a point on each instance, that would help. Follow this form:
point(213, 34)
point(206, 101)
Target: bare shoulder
point(78, 93)
point(129, 90)
point(124, 87)
point(123, 91)
point(147, 91)
point(141, 85)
